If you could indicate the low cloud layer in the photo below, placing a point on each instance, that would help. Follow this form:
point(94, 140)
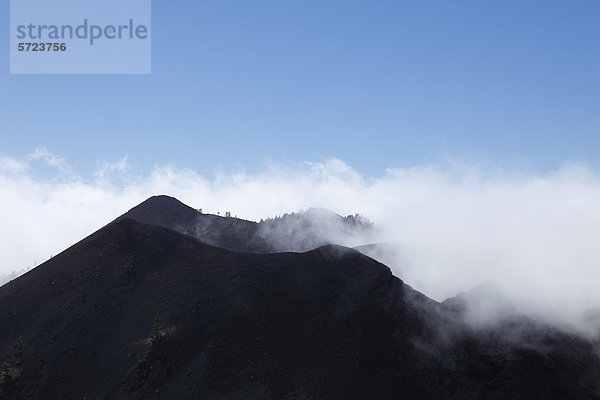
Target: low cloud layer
point(535, 236)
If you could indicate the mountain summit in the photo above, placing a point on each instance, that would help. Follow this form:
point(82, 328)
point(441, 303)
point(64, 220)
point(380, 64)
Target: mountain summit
point(162, 211)
point(141, 309)
point(298, 232)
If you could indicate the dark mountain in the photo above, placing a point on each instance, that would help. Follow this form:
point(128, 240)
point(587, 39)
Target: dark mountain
point(140, 311)
point(291, 232)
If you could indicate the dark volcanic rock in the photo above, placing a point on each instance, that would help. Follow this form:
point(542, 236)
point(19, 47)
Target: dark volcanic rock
point(136, 311)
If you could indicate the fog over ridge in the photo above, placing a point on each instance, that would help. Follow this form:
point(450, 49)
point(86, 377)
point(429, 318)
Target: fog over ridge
point(533, 235)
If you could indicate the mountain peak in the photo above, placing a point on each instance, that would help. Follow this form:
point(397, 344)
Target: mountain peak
point(162, 201)
point(161, 210)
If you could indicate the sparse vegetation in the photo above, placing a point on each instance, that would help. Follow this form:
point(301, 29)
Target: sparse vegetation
point(156, 337)
point(357, 220)
point(7, 373)
point(159, 346)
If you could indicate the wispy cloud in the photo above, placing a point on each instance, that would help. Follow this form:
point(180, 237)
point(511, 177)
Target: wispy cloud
point(42, 154)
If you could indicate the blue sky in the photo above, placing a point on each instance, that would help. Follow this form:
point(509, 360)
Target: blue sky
point(377, 84)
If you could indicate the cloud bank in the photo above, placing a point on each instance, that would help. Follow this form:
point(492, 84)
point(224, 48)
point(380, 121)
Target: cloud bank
point(453, 227)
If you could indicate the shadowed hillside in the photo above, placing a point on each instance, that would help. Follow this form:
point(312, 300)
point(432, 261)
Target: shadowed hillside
point(139, 311)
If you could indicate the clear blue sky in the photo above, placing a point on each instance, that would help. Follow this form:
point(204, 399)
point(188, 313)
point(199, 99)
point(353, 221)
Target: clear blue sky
point(375, 83)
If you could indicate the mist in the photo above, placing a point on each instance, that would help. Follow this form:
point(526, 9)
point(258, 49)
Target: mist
point(448, 228)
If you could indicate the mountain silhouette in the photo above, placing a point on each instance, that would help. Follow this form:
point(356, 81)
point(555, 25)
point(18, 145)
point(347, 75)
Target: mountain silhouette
point(144, 309)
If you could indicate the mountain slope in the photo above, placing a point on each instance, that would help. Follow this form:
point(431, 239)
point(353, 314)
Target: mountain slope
point(139, 311)
point(239, 323)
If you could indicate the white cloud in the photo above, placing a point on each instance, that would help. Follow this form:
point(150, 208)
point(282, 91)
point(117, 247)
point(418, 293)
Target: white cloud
point(536, 235)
